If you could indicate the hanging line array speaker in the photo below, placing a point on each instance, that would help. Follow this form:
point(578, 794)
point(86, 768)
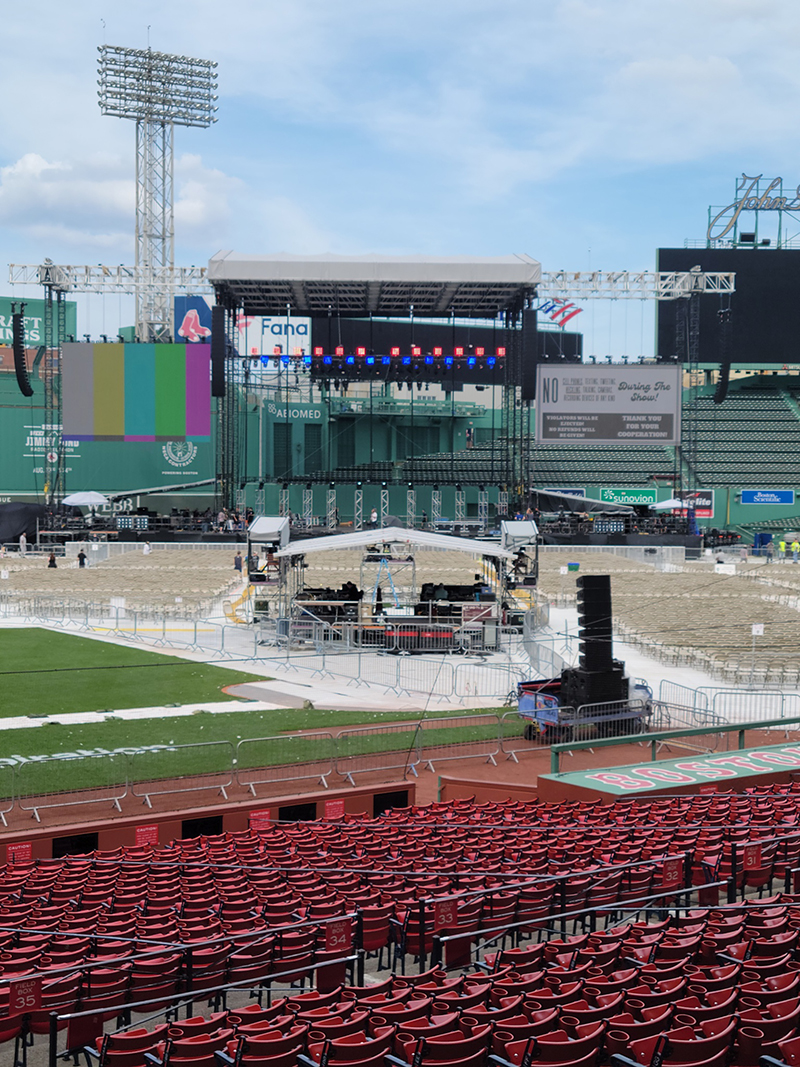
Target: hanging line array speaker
point(218, 344)
point(18, 342)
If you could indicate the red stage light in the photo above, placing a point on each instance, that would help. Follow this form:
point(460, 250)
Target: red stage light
point(480, 351)
point(395, 351)
point(319, 351)
point(361, 351)
point(437, 351)
point(277, 350)
point(458, 351)
point(501, 351)
point(416, 351)
point(297, 351)
point(339, 350)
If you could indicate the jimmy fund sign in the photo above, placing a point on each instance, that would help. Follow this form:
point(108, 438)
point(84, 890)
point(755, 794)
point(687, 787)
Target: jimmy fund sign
point(600, 405)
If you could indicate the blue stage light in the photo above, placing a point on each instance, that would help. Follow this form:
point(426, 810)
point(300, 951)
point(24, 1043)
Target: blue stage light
point(386, 360)
point(370, 360)
point(429, 359)
point(491, 361)
point(471, 361)
point(350, 359)
point(406, 361)
point(327, 359)
point(448, 361)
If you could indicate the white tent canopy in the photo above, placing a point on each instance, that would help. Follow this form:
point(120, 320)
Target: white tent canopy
point(86, 499)
point(518, 533)
point(669, 505)
point(395, 536)
point(269, 529)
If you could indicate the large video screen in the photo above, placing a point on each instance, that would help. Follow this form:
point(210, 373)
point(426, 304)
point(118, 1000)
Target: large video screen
point(136, 392)
point(765, 309)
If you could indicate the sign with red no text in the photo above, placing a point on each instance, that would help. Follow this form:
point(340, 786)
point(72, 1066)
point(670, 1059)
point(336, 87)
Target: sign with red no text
point(20, 852)
point(24, 995)
point(751, 857)
point(339, 935)
point(147, 835)
point(445, 914)
point(672, 871)
point(709, 787)
point(334, 809)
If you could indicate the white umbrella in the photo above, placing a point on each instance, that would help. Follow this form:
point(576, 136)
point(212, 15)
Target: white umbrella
point(88, 499)
point(668, 505)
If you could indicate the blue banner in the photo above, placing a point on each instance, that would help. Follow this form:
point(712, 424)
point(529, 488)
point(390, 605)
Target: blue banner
point(768, 496)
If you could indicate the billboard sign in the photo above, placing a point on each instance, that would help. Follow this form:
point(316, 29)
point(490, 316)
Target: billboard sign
point(702, 500)
point(608, 404)
point(33, 320)
point(768, 496)
point(265, 336)
point(629, 497)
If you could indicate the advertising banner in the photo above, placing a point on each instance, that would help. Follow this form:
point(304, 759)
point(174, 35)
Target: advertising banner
point(33, 320)
point(629, 497)
point(608, 404)
point(256, 335)
point(702, 500)
point(768, 496)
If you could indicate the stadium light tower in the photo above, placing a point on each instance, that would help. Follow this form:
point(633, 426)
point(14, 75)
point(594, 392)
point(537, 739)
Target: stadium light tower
point(158, 92)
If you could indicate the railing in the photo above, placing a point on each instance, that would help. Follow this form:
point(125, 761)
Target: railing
point(286, 758)
point(185, 767)
point(653, 739)
point(395, 746)
point(478, 737)
point(108, 778)
point(730, 705)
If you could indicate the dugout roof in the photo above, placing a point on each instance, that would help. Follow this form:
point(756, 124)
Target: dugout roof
point(463, 286)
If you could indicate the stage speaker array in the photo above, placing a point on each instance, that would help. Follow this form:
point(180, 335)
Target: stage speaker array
point(18, 343)
point(594, 620)
point(218, 346)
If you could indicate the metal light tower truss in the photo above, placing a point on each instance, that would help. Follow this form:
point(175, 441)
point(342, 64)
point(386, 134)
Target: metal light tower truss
point(98, 278)
point(640, 285)
point(157, 91)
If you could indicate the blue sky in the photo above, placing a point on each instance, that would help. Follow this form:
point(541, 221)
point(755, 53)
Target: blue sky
point(583, 132)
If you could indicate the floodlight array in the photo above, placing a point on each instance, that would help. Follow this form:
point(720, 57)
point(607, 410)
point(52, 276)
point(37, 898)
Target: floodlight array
point(141, 84)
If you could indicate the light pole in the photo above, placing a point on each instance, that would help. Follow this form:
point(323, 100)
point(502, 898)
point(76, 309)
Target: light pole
point(157, 91)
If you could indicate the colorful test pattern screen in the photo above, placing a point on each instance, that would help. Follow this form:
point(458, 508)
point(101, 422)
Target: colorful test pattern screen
point(136, 392)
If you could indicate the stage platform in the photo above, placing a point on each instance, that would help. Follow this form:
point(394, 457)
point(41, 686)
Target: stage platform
point(735, 770)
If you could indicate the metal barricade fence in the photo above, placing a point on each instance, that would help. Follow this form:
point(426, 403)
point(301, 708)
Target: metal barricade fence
point(519, 736)
point(684, 696)
point(611, 718)
point(434, 677)
point(488, 679)
point(741, 705)
point(7, 789)
point(285, 758)
point(394, 746)
point(165, 769)
point(474, 736)
point(60, 781)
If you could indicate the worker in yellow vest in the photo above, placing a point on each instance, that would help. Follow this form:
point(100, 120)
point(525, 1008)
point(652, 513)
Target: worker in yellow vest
point(795, 547)
point(782, 547)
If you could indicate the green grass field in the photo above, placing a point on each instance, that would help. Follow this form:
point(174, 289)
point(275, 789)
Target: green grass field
point(203, 729)
point(44, 673)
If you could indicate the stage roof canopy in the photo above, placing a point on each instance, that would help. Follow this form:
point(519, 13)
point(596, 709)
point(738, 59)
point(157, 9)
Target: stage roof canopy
point(394, 535)
point(463, 286)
